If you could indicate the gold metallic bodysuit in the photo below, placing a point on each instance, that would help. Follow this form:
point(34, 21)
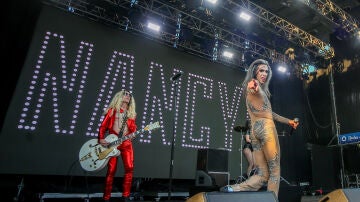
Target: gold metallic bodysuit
point(265, 143)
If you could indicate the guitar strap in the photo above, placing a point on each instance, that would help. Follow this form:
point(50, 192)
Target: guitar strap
point(123, 124)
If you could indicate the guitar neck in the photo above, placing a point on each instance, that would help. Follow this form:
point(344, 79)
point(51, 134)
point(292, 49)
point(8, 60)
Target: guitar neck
point(126, 137)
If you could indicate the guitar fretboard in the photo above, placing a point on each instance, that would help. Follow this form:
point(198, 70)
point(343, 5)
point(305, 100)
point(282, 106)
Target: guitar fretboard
point(126, 137)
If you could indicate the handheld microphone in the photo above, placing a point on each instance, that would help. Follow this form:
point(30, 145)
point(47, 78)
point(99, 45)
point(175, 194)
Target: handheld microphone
point(176, 76)
point(296, 120)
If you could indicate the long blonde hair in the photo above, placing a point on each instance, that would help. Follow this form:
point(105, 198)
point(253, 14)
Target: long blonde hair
point(116, 104)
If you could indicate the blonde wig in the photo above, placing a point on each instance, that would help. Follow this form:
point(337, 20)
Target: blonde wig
point(117, 101)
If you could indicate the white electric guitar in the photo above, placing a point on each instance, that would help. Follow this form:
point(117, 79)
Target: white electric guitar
point(93, 156)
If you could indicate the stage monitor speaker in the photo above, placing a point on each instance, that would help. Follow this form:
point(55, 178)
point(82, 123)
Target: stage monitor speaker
point(342, 195)
point(213, 160)
point(203, 179)
point(233, 196)
point(219, 179)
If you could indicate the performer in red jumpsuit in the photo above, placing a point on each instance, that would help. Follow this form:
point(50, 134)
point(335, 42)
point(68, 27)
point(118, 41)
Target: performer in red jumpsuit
point(120, 120)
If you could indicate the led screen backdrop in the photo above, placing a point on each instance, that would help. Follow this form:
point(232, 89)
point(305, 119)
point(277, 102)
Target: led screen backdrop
point(73, 68)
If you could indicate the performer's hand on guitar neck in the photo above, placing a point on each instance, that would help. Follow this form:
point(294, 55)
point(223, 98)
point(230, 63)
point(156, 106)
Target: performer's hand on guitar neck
point(103, 142)
point(253, 86)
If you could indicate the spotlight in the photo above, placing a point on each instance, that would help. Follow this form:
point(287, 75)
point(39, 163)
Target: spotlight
point(153, 26)
point(308, 68)
point(327, 51)
point(71, 9)
point(247, 44)
point(212, 1)
point(245, 16)
point(228, 54)
point(282, 69)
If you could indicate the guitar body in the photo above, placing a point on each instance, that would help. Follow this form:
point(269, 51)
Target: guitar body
point(93, 156)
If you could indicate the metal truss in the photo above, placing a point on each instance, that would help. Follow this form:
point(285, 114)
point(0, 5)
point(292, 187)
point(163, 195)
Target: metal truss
point(106, 13)
point(285, 29)
point(200, 26)
point(334, 14)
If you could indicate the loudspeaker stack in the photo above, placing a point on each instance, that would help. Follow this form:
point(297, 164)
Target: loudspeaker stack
point(212, 168)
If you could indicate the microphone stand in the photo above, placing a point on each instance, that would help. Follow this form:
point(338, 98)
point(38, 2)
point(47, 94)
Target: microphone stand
point(241, 154)
point(173, 138)
point(336, 125)
point(20, 187)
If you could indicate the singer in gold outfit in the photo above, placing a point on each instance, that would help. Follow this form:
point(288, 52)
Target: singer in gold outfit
point(264, 136)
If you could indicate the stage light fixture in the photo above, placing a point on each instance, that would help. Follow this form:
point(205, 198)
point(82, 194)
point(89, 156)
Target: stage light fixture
point(247, 44)
point(308, 68)
point(212, 1)
point(133, 2)
point(282, 69)
point(71, 9)
point(245, 16)
point(327, 51)
point(228, 54)
point(153, 26)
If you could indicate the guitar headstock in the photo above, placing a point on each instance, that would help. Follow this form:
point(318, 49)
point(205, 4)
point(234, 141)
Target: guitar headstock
point(152, 126)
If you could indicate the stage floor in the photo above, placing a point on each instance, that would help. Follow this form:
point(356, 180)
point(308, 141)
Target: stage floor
point(60, 188)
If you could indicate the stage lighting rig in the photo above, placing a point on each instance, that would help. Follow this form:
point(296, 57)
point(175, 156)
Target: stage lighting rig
point(282, 27)
point(335, 14)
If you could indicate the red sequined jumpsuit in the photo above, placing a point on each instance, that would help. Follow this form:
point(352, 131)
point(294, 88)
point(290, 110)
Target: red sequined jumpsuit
point(126, 150)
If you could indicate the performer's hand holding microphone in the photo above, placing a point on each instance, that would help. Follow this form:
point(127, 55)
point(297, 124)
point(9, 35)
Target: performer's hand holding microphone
point(294, 124)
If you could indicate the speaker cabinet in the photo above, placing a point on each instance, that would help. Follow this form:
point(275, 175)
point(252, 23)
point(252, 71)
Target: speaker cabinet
point(342, 195)
point(325, 167)
point(233, 196)
point(221, 178)
point(211, 178)
point(212, 160)
point(203, 179)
